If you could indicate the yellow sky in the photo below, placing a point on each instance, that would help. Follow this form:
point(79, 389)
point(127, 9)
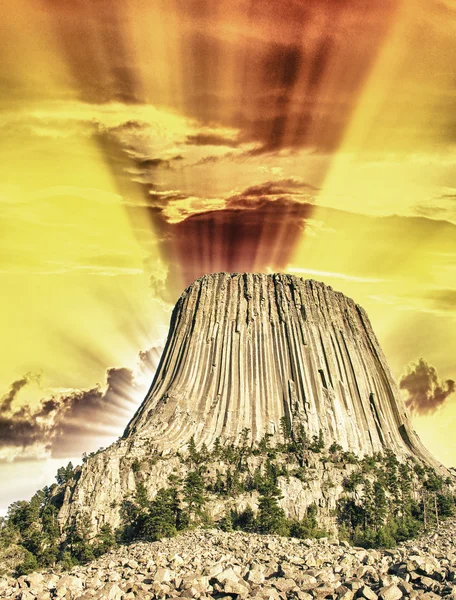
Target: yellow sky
point(144, 144)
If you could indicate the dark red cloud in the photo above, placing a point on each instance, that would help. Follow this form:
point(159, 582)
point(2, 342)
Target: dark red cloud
point(247, 237)
point(207, 139)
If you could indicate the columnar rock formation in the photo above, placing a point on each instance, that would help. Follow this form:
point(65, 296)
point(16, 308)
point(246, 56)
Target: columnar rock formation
point(243, 353)
point(246, 350)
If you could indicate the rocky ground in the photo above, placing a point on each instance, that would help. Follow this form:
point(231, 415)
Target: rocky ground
point(212, 564)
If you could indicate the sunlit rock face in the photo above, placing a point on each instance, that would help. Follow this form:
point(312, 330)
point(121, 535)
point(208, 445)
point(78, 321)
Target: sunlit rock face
point(243, 352)
point(246, 350)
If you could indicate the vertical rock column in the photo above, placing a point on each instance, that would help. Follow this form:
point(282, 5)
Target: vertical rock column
point(245, 350)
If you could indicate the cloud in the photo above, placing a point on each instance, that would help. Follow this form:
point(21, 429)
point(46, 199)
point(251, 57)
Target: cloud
point(426, 393)
point(440, 207)
point(8, 399)
point(213, 158)
point(68, 423)
point(211, 139)
point(154, 163)
point(299, 190)
point(439, 302)
point(443, 300)
point(332, 275)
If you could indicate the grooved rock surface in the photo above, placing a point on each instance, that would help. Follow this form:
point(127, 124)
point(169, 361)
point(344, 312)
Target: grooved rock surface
point(243, 352)
point(246, 350)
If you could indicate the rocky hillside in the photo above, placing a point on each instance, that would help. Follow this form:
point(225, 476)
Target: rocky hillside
point(247, 357)
point(213, 564)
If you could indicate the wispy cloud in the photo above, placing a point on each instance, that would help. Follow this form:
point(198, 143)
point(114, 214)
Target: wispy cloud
point(333, 275)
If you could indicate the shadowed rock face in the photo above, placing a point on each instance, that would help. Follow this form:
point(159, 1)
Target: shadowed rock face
point(246, 350)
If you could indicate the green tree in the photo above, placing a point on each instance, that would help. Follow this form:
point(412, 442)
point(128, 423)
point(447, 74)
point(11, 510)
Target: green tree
point(160, 521)
point(219, 485)
point(77, 544)
point(105, 540)
point(64, 474)
point(141, 498)
point(28, 565)
point(194, 494)
point(285, 428)
point(194, 456)
point(271, 517)
point(245, 520)
point(226, 522)
point(318, 442)
point(217, 449)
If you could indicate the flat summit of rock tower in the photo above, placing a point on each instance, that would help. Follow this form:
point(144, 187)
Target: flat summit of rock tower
point(246, 351)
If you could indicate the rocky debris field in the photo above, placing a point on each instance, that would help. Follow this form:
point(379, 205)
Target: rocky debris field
point(213, 564)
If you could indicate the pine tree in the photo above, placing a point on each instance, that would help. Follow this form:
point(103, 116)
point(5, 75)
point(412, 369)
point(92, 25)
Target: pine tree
point(141, 496)
point(160, 521)
point(77, 543)
point(217, 450)
point(271, 518)
point(64, 474)
point(245, 520)
point(28, 565)
point(194, 497)
point(105, 540)
point(226, 522)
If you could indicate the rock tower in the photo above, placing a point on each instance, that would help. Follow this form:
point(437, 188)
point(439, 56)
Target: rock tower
point(248, 352)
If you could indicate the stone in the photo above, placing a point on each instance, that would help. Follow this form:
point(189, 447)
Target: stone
point(110, 591)
point(256, 575)
point(303, 595)
point(390, 592)
point(239, 565)
point(230, 582)
point(366, 592)
point(163, 575)
point(322, 591)
point(71, 583)
point(35, 580)
point(344, 593)
point(282, 584)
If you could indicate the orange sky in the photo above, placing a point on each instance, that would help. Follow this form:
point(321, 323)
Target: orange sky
point(146, 143)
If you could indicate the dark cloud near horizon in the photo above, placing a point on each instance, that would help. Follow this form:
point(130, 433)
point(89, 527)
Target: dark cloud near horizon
point(256, 229)
point(70, 423)
point(426, 393)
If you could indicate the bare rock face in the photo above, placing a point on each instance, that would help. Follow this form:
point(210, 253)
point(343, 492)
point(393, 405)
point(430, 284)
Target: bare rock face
point(243, 353)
